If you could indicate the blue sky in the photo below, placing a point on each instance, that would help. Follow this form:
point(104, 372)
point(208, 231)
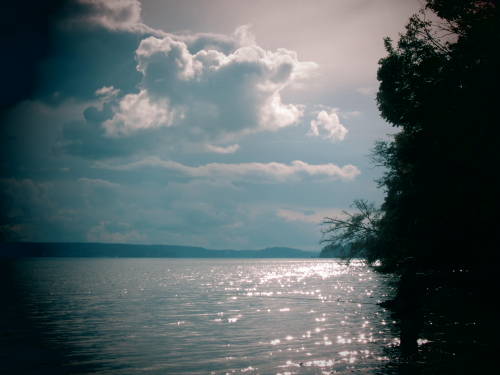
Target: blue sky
point(223, 124)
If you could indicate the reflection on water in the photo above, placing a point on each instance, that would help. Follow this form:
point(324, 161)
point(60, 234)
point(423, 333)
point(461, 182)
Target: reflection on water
point(192, 316)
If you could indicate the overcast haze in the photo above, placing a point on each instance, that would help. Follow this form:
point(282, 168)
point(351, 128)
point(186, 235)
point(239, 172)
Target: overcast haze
point(223, 124)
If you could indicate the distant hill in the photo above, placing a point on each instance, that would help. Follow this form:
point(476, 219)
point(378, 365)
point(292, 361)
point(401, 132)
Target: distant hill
point(87, 249)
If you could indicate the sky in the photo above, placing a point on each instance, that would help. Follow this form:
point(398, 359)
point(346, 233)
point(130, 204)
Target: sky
point(222, 124)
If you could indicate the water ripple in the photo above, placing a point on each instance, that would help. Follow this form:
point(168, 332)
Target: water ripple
point(186, 316)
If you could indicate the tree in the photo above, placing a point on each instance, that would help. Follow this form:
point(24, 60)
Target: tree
point(439, 89)
point(438, 226)
point(351, 235)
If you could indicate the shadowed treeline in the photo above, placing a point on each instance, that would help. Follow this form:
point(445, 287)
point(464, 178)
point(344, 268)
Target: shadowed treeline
point(438, 227)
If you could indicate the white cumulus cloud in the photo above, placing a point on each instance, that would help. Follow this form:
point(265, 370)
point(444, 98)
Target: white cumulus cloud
point(327, 125)
point(225, 87)
point(107, 93)
point(136, 112)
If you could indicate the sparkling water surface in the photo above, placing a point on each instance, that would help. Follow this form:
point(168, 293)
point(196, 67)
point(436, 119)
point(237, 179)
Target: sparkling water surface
point(209, 316)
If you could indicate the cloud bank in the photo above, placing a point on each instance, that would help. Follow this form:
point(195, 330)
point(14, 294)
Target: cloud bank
point(238, 171)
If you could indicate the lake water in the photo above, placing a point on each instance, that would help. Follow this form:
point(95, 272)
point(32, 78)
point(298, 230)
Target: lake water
point(194, 316)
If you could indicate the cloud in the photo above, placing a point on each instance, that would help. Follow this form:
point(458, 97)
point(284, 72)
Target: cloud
point(235, 92)
point(195, 89)
point(351, 114)
point(225, 44)
point(107, 123)
point(220, 95)
point(138, 112)
point(107, 92)
point(23, 197)
point(327, 126)
point(231, 149)
point(239, 171)
point(114, 15)
point(308, 216)
point(114, 233)
point(24, 203)
point(367, 91)
point(97, 182)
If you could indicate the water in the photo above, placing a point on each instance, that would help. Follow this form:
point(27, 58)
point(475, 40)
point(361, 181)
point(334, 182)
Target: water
point(195, 316)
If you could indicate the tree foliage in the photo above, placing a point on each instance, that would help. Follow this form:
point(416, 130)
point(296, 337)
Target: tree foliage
point(438, 86)
point(438, 226)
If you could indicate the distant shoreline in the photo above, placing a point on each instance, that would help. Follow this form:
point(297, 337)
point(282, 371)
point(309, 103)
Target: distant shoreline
point(114, 250)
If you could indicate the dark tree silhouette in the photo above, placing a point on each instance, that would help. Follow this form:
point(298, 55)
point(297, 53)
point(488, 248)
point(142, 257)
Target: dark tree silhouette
point(438, 229)
point(349, 236)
